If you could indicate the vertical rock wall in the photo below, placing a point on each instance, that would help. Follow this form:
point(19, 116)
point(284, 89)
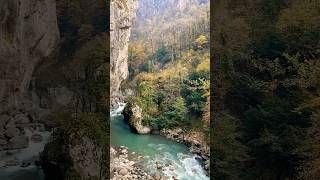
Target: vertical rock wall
point(28, 32)
point(122, 13)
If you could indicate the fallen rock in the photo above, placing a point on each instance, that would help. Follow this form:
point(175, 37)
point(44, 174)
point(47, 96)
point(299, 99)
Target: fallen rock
point(124, 151)
point(123, 171)
point(12, 162)
point(41, 128)
point(19, 142)
point(25, 163)
point(207, 165)
point(10, 124)
point(175, 178)
point(171, 168)
point(113, 152)
point(36, 138)
point(3, 164)
point(3, 144)
point(158, 165)
point(3, 120)
point(21, 119)
point(2, 133)
point(157, 177)
point(12, 132)
point(165, 178)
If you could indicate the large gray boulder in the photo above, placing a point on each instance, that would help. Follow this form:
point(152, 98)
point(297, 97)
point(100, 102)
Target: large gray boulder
point(133, 114)
point(18, 142)
point(12, 132)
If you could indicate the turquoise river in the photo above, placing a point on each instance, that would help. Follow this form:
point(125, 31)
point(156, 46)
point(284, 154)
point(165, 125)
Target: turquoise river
point(155, 149)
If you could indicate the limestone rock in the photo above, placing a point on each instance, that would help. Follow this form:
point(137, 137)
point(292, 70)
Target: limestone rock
point(12, 132)
point(12, 162)
point(18, 142)
point(157, 177)
point(120, 29)
point(28, 32)
point(3, 144)
point(21, 119)
point(36, 138)
point(133, 114)
point(25, 163)
point(123, 171)
point(3, 120)
point(122, 168)
point(2, 164)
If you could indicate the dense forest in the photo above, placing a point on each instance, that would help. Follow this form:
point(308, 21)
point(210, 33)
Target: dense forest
point(267, 89)
point(169, 64)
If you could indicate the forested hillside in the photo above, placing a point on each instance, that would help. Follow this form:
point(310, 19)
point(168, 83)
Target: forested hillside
point(169, 64)
point(267, 89)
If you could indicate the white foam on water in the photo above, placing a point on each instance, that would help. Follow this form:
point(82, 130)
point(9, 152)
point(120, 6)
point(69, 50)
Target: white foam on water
point(192, 167)
point(32, 150)
point(26, 154)
point(186, 166)
point(118, 110)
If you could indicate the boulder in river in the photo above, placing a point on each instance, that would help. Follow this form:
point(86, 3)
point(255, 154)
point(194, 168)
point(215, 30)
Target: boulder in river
point(123, 171)
point(157, 176)
point(36, 138)
point(12, 162)
point(18, 142)
point(3, 164)
point(133, 114)
point(171, 168)
point(25, 163)
point(3, 144)
point(12, 132)
point(158, 165)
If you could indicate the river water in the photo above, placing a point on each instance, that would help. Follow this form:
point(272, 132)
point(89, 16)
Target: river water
point(155, 149)
point(31, 172)
point(152, 148)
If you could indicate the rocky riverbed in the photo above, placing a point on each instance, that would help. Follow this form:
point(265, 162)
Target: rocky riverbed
point(19, 155)
point(122, 168)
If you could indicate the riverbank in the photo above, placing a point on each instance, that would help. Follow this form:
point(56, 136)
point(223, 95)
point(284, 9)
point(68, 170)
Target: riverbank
point(157, 155)
point(194, 140)
point(122, 168)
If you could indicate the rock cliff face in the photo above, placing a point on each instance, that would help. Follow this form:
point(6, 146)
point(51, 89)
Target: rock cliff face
point(86, 158)
point(81, 159)
point(28, 32)
point(28, 35)
point(122, 14)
